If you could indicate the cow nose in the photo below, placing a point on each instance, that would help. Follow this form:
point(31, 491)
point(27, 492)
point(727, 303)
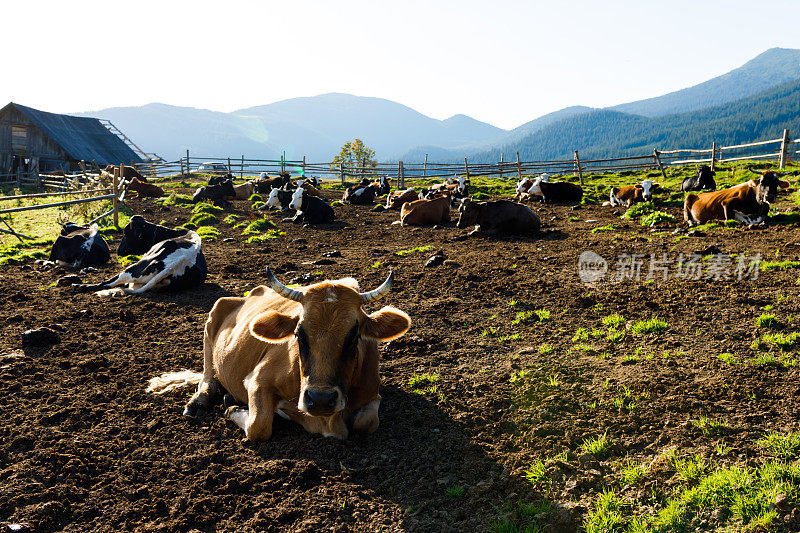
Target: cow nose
point(321, 400)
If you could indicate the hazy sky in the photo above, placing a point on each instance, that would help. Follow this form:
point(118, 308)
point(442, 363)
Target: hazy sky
point(500, 61)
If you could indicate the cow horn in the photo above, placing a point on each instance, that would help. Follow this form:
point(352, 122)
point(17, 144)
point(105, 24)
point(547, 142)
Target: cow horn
point(754, 171)
point(282, 289)
point(380, 292)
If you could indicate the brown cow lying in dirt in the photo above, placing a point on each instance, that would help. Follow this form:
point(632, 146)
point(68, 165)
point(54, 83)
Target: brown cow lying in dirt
point(425, 212)
point(631, 194)
point(499, 216)
point(144, 190)
point(309, 354)
point(747, 202)
point(396, 199)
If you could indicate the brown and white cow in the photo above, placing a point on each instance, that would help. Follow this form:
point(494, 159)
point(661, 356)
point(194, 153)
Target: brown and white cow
point(126, 172)
point(245, 190)
point(396, 199)
point(524, 185)
point(309, 354)
point(747, 202)
point(631, 194)
point(425, 212)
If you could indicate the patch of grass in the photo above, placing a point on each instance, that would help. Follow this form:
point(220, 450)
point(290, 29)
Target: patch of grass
point(231, 219)
point(656, 218)
point(639, 210)
point(782, 341)
point(780, 265)
point(614, 336)
point(425, 248)
point(419, 381)
point(207, 208)
point(126, 260)
point(628, 359)
point(258, 205)
point(208, 233)
point(607, 227)
point(553, 381)
point(545, 348)
point(255, 198)
point(614, 320)
point(767, 321)
point(728, 358)
point(536, 474)
point(632, 473)
point(581, 334)
point(376, 264)
point(337, 203)
point(710, 426)
point(456, 491)
point(597, 446)
point(202, 219)
point(175, 199)
point(257, 226)
point(653, 325)
point(786, 446)
point(607, 516)
point(543, 314)
point(266, 236)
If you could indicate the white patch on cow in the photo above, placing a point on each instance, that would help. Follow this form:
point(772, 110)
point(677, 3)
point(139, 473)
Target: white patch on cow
point(331, 296)
point(297, 199)
point(272, 200)
point(282, 404)
point(300, 182)
point(239, 417)
point(545, 177)
point(521, 185)
point(262, 175)
point(59, 262)
point(646, 186)
point(86, 246)
point(109, 293)
point(535, 189)
point(462, 184)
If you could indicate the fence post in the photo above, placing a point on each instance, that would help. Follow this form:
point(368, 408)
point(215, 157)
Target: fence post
point(181, 166)
point(785, 148)
point(241, 173)
point(341, 171)
point(425, 167)
point(229, 165)
point(283, 162)
point(466, 167)
point(713, 154)
point(402, 175)
point(19, 177)
point(657, 158)
point(115, 191)
point(187, 161)
point(363, 168)
point(519, 168)
point(304, 166)
point(578, 166)
point(501, 165)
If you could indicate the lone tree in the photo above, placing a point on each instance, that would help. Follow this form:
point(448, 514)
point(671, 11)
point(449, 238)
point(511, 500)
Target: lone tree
point(354, 155)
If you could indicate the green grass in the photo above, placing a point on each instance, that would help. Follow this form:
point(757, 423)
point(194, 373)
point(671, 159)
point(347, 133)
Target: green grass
point(266, 236)
point(785, 446)
point(258, 226)
point(175, 199)
point(202, 219)
point(780, 265)
point(781, 341)
point(728, 358)
point(615, 320)
point(536, 474)
point(607, 516)
point(597, 446)
point(456, 491)
point(767, 321)
point(231, 219)
point(425, 248)
point(255, 198)
point(656, 218)
point(639, 210)
point(208, 233)
point(607, 227)
point(709, 426)
point(126, 260)
point(418, 381)
point(653, 325)
point(545, 349)
point(632, 473)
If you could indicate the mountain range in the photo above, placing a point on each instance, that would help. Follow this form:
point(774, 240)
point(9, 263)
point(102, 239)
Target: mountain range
point(749, 103)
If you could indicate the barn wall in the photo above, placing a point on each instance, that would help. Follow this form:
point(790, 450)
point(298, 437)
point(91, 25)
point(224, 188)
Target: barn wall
point(49, 154)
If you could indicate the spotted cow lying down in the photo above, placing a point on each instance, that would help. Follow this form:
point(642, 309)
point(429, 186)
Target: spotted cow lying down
point(79, 246)
point(172, 258)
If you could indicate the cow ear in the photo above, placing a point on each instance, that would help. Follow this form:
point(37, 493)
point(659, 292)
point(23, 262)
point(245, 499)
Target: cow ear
point(654, 186)
point(638, 186)
point(783, 183)
point(273, 326)
point(386, 324)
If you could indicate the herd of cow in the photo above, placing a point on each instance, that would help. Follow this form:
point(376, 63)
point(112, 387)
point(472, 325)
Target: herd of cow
point(309, 354)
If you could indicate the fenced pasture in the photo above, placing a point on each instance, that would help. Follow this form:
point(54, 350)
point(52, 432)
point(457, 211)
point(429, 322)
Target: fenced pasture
point(521, 399)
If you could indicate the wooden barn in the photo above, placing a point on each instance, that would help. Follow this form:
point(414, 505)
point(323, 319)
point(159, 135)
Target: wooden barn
point(33, 142)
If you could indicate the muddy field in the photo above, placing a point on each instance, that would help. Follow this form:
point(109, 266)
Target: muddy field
point(473, 395)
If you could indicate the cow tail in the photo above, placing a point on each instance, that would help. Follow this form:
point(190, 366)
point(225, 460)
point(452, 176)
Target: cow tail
point(687, 208)
point(173, 380)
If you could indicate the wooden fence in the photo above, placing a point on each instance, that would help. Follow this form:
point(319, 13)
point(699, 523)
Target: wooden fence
point(780, 149)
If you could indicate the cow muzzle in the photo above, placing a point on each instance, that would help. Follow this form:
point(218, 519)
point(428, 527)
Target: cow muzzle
point(321, 401)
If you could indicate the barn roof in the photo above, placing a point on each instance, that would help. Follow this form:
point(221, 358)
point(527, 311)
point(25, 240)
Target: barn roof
point(81, 137)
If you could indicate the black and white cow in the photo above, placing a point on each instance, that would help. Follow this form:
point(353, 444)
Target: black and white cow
point(556, 192)
point(703, 180)
point(172, 258)
point(218, 180)
point(79, 246)
point(215, 193)
point(384, 186)
point(310, 209)
point(279, 199)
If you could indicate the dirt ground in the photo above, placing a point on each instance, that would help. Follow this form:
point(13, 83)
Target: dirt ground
point(83, 447)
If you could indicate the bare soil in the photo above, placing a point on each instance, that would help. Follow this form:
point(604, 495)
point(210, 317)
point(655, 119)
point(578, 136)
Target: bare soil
point(83, 447)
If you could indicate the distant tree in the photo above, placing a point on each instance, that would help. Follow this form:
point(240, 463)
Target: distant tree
point(353, 154)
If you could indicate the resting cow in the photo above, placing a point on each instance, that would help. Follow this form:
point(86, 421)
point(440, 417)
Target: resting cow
point(309, 187)
point(309, 354)
point(703, 180)
point(216, 180)
point(425, 212)
point(215, 192)
point(747, 202)
point(244, 191)
point(631, 194)
point(144, 190)
point(126, 172)
point(265, 184)
point(310, 209)
point(524, 185)
point(360, 194)
point(397, 198)
point(499, 216)
point(557, 192)
point(382, 186)
point(79, 246)
point(279, 199)
point(172, 258)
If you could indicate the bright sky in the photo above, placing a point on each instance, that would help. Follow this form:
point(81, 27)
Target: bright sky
point(501, 61)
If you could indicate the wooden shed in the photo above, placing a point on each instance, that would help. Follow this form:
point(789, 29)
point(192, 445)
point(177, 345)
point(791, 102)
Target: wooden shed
point(33, 141)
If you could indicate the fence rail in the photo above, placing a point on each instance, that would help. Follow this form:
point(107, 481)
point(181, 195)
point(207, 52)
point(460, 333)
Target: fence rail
point(780, 149)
